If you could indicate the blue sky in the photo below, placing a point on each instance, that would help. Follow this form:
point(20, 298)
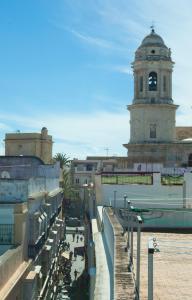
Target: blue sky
point(65, 64)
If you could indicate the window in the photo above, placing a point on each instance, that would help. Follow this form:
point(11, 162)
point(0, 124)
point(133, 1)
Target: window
point(190, 160)
point(77, 180)
point(152, 81)
point(141, 84)
point(89, 167)
point(164, 84)
point(153, 131)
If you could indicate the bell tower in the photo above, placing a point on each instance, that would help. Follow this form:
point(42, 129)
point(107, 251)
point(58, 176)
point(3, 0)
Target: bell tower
point(152, 112)
point(154, 137)
point(152, 70)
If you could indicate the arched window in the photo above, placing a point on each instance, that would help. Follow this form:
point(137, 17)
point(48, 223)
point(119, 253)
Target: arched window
point(152, 133)
point(152, 81)
point(190, 160)
point(141, 84)
point(164, 84)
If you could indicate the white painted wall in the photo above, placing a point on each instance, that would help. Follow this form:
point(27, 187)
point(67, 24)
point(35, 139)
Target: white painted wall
point(141, 195)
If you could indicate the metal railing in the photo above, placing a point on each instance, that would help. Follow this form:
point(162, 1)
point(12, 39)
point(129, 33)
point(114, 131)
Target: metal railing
point(172, 179)
point(6, 234)
point(134, 178)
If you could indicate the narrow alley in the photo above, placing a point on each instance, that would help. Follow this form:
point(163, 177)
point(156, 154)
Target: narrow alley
point(74, 286)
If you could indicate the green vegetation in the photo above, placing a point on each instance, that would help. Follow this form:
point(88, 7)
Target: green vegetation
point(141, 179)
point(172, 179)
point(63, 159)
point(65, 183)
point(127, 179)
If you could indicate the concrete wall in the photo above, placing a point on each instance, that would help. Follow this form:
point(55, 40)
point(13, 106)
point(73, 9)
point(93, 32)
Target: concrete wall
point(13, 190)
point(155, 195)
point(20, 227)
point(24, 167)
point(9, 262)
point(100, 285)
point(13, 270)
point(108, 241)
point(121, 281)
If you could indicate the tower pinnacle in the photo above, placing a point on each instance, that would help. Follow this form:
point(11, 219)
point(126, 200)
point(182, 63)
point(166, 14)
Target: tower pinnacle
point(152, 27)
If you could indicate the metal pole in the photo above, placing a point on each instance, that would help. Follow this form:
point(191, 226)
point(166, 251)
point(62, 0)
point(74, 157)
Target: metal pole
point(131, 255)
point(184, 195)
point(125, 198)
point(150, 269)
point(139, 220)
point(128, 224)
point(115, 198)
point(132, 227)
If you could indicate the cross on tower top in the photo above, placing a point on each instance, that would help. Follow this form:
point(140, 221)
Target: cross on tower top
point(152, 27)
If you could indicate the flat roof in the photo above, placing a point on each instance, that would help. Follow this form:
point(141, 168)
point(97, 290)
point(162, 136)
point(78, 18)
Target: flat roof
point(172, 266)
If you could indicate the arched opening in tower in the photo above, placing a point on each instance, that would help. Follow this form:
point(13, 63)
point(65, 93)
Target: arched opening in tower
point(152, 81)
point(190, 160)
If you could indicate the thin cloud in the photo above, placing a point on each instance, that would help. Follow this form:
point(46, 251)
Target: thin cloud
point(123, 69)
point(80, 134)
point(5, 127)
point(93, 40)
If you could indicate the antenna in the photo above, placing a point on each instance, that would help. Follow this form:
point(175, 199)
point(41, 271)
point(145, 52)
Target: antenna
point(107, 151)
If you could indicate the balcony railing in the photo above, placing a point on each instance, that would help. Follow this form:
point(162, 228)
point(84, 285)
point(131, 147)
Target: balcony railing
point(6, 234)
point(33, 250)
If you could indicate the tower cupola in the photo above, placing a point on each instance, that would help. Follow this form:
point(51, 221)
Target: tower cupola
point(152, 69)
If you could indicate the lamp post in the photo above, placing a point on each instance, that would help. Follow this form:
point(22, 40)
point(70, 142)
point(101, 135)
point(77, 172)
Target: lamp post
point(128, 224)
point(92, 199)
point(89, 203)
point(131, 218)
point(151, 250)
point(125, 199)
point(132, 224)
point(85, 186)
point(115, 199)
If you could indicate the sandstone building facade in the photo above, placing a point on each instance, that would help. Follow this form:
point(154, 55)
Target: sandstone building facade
point(31, 228)
point(32, 144)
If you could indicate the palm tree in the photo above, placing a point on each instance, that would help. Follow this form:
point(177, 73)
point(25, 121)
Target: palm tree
point(63, 159)
point(66, 185)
